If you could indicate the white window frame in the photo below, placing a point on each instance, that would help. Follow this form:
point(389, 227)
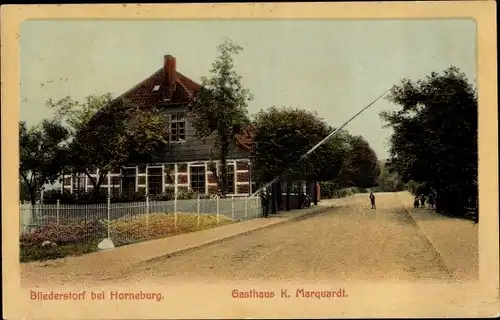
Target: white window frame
point(177, 121)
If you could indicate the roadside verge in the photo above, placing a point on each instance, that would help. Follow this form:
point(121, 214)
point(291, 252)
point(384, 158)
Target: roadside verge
point(456, 240)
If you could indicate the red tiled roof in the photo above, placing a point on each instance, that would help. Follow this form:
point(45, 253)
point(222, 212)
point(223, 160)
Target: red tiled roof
point(143, 95)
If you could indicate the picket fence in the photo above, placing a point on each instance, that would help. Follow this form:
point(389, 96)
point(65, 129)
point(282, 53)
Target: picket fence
point(35, 216)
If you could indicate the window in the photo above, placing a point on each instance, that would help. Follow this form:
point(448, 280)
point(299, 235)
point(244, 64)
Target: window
point(177, 127)
point(78, 183)
point(67, 181)
point(230, 178)
point(197, 174)
point(155, 180)
point(169, 174)
point(128, 181)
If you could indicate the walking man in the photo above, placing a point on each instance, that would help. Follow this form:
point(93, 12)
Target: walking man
point(372, 200)
point(422, 201)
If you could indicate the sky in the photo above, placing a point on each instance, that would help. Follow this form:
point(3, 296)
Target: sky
point(334, 67)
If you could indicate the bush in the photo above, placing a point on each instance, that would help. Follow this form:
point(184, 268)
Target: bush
point(51, 197)
point(76, 232)
point(73, 239)
point(328, 190)
point(127, 197)
point(77, 197)
point(417, 188)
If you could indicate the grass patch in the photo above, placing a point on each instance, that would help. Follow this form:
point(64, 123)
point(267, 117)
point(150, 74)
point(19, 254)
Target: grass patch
point(160, 225)
point(49, 252)
point(82, 237)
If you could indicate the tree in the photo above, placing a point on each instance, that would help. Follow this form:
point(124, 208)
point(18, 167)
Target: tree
point(120, 133)
point(221, 108)
point(283, 135)
point(24, 194)
point(435, 136)
point(388, 180)
point(42, 150)
point(76, 114)
point(361, 168)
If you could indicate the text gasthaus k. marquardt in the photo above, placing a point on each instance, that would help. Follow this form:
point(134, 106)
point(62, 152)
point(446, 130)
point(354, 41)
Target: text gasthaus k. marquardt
point(300, 293)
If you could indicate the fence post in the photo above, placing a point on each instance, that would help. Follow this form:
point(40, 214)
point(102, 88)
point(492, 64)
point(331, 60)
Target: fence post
point(57, 210)
point(175, 210)
point(258, 206)
point(109, 216)
point(217, 208)
point(147, 215)
point(198, 209)
point(246, 206)
point(232, 206)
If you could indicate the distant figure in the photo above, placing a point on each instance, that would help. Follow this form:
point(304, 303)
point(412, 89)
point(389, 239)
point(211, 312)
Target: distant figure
point(265, 203)
point(372, 200)
point(416, 203)
point(300, 203)
point(307, 201)
point(422, 201)
point(431, 201)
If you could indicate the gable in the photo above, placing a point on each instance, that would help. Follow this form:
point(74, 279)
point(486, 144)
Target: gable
point(149, 92)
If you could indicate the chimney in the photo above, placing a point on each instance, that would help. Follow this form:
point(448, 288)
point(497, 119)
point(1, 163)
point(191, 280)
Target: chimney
point(169, 76)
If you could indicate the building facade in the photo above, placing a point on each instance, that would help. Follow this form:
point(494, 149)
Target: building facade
point(185, 161)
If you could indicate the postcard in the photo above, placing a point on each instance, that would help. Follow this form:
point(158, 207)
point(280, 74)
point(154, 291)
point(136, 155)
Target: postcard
point(291, 160)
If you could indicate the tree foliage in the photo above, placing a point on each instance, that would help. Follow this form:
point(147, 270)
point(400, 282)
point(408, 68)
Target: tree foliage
point(388, 180)
point(361, 167)
point(118, 134)
point(283, 135)
point(42, 151)
point(76, 114)
point(435, 135)
point(221, 107)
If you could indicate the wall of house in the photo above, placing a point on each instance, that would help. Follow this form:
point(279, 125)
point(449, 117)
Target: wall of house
point(176, 165)
point(178, 177)
point(192, 148)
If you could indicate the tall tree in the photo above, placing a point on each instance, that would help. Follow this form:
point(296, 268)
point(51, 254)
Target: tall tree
point(74, 115)
point(361, 167)
point(42, 151)
point(221, 108)
point(283, 135)
point(435, 136)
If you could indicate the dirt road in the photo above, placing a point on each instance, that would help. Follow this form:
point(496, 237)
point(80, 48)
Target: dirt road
point(349, 242)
